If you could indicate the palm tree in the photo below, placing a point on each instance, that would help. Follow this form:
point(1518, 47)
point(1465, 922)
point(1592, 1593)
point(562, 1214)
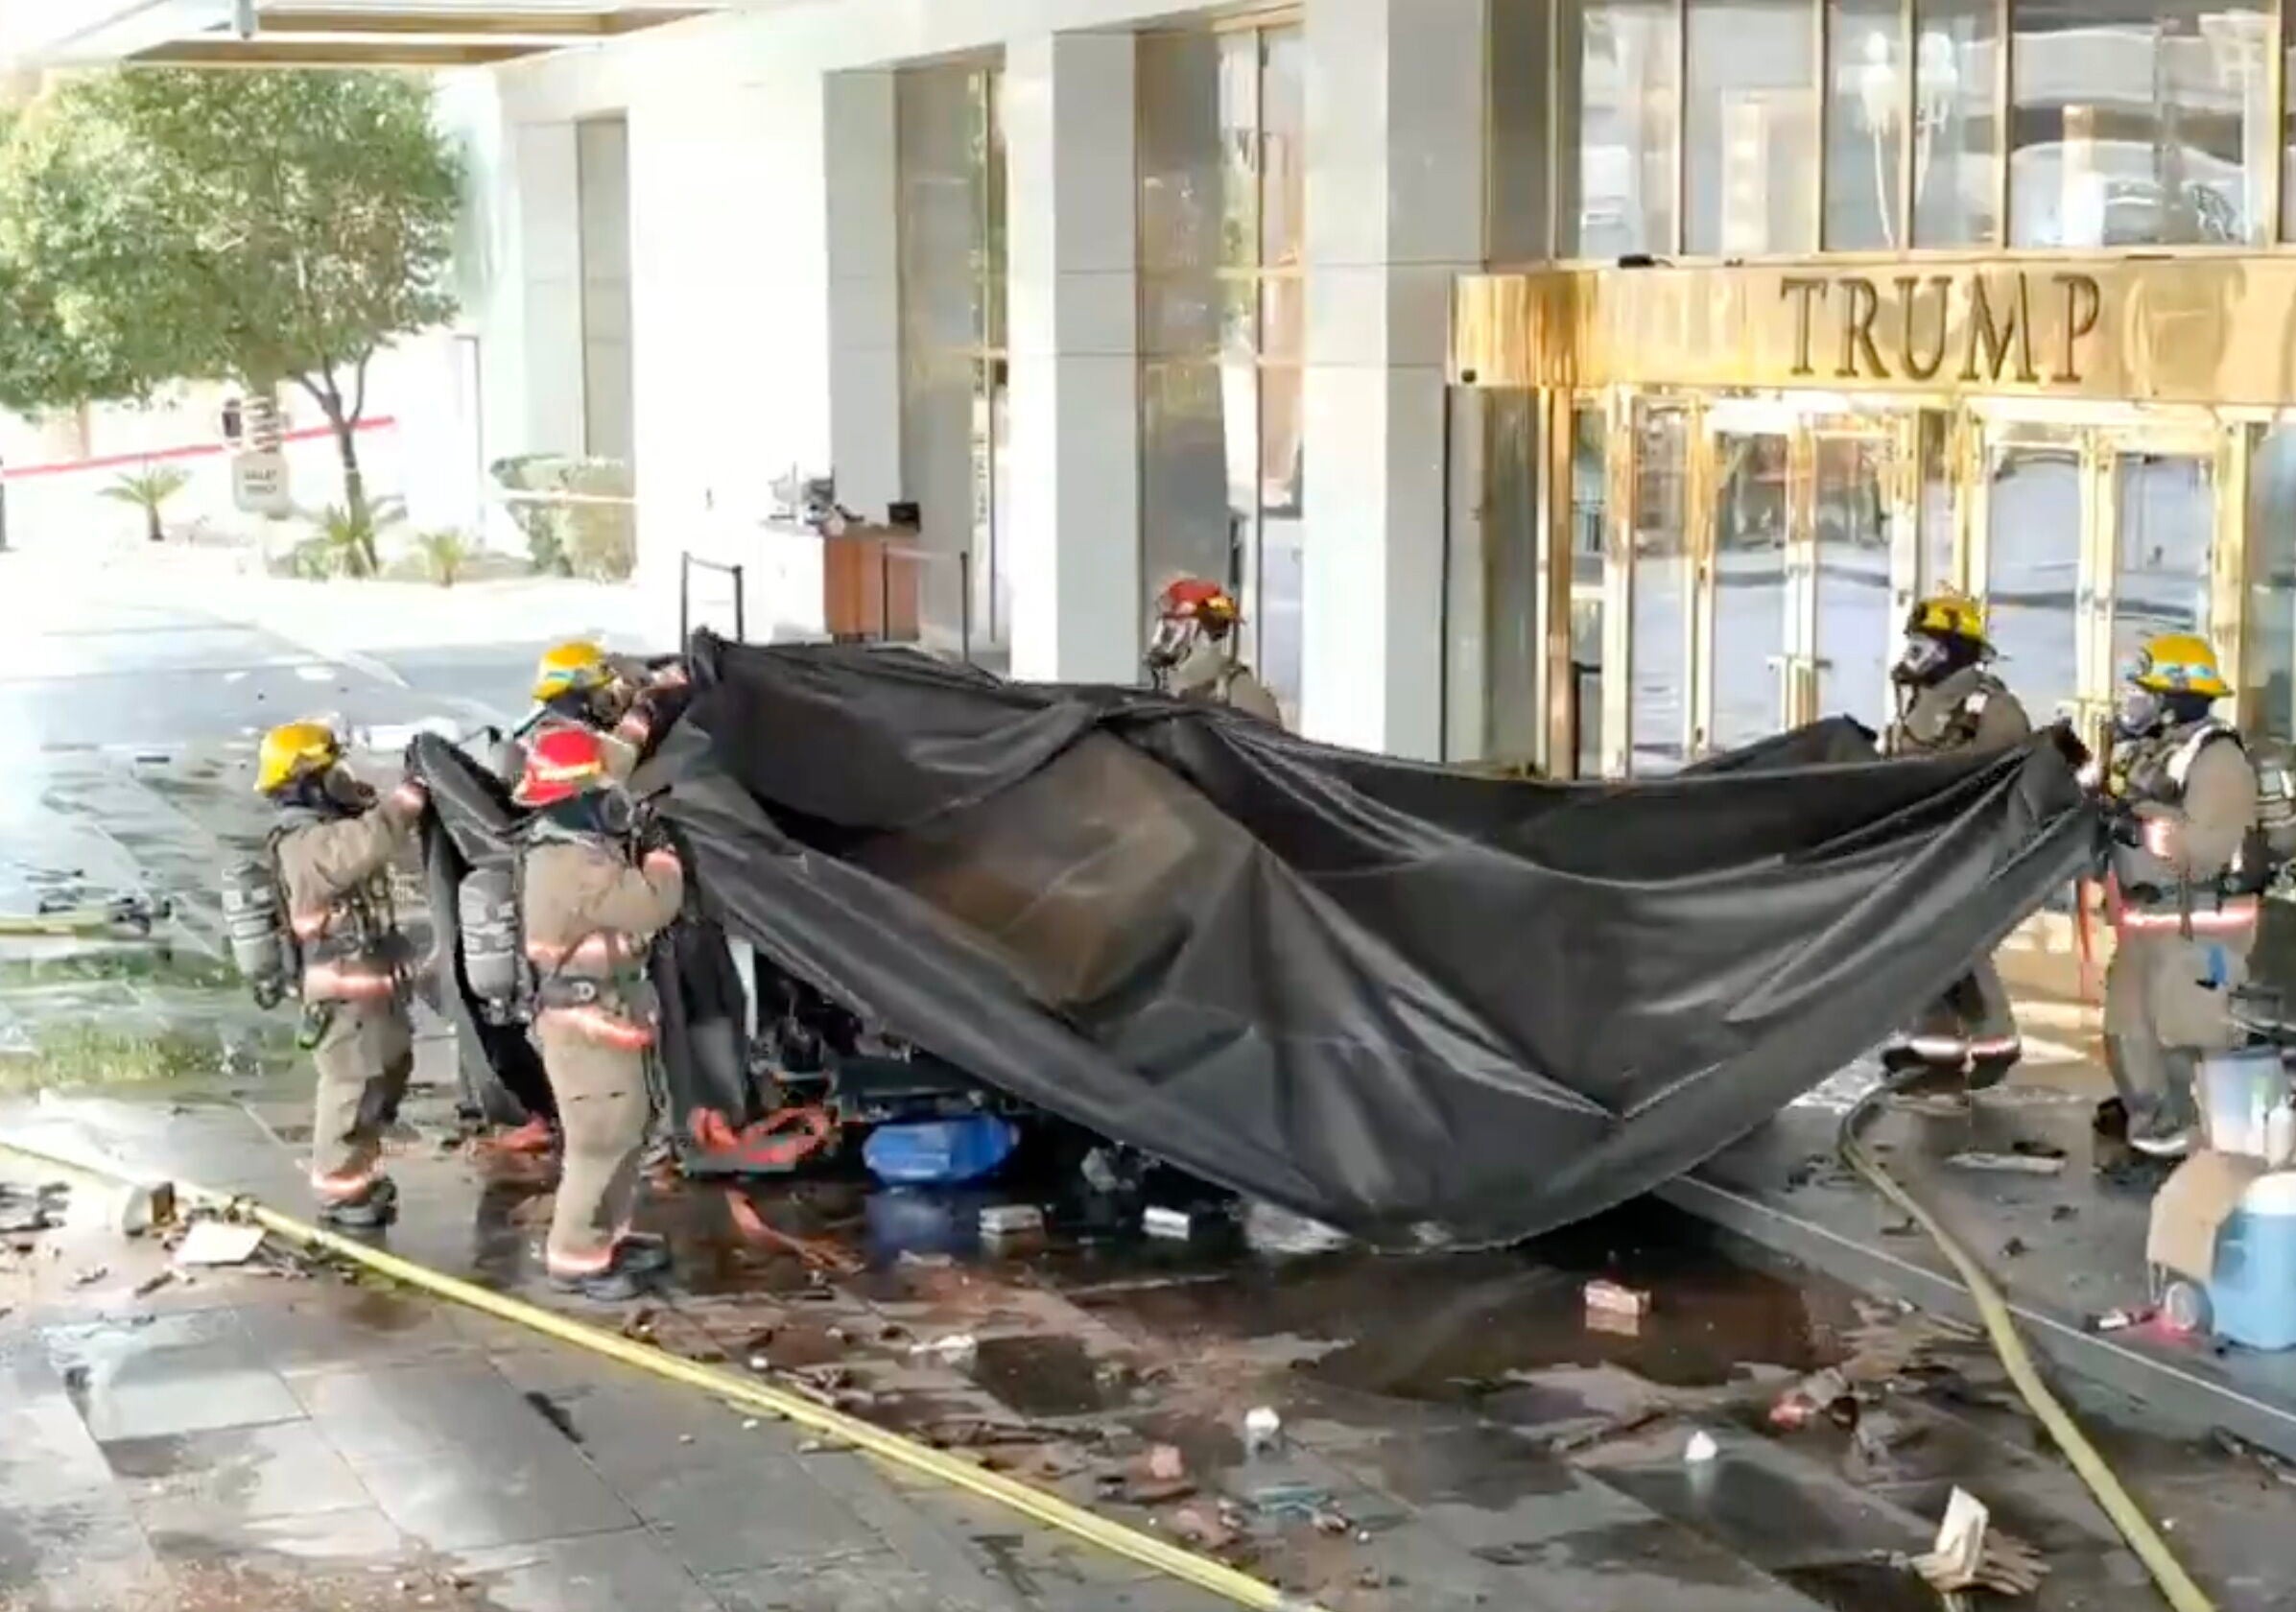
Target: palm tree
point(149, 490)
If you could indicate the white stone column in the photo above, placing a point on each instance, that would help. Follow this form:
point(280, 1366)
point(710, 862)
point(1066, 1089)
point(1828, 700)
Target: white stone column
point(1394, 211)
point(548, 232)
point(860, 164)
point(1074, 381)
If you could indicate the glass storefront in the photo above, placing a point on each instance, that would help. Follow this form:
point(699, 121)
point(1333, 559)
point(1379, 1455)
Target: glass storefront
point(1724, 128)
point(950, 174)
point(1223, 171)
point(1834, 304)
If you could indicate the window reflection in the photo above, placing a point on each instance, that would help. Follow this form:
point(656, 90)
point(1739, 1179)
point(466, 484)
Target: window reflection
point(2166, 516)
point(1521, 88)
point(1955, 123)
point(1854, 625)
point(2268, 662)
point(1865, 124)
point(1222, 186)
point(1621, 63)
point(950, 161)
point(1749, 588)
point(2032, 580)
point(1658, 721)
point(2139, 122)
point(1751, 145)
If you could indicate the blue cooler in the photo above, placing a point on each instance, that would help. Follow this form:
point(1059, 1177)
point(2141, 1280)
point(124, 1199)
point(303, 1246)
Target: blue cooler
point(939, 1152)
point(2252, 1297)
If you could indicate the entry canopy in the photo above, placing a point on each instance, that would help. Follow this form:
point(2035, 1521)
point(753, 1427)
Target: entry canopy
point(1403, 1000)
point(317, 33)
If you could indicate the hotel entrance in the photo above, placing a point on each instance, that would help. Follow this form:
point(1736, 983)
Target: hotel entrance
point(1722, 561)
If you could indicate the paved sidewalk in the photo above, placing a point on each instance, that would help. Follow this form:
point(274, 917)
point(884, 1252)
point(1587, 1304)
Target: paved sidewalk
point(277, 1442)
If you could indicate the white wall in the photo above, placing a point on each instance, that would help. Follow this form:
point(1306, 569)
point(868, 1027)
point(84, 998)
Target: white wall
point(764, 307)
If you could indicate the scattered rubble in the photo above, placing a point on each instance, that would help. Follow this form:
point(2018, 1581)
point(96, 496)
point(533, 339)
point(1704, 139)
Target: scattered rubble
point(2013, 1163)
point(215, 1243)
point(1262, 1428)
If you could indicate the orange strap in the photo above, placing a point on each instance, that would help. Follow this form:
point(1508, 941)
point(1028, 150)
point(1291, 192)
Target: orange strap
point(780, 1140)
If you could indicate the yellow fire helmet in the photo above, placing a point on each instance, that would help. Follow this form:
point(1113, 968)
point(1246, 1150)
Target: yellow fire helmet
point(295, 750)
point(2180, 663)
point(576, 664)
point(1952, 614)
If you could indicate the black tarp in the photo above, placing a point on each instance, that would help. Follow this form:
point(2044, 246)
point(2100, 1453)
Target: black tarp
point(1381, 995)
point(1385, 995)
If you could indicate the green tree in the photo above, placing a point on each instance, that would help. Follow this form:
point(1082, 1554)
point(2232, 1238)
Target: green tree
point(265, 227)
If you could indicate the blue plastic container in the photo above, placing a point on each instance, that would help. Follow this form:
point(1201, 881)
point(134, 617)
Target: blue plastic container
point(2253, 1299)
point(939, 1152)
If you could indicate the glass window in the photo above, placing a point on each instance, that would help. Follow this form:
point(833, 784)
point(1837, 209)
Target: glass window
point(1749, 588)
point(1521, 94)
point(1620, 65)
point(1938, 573)
point(2268, 660)
point(950, 160)
point(2139, 122)
point(2032, 582)
point(1956, 123)
point(1658, 717)
point(1752, 141)
point(1222, 183)
point(2166, 516)
point(1865, 125)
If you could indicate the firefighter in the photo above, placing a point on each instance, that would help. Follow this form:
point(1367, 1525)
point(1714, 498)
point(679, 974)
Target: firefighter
point(2184, 798)
point(591, 915)
point(331, 851)
point(1950, 702)
point(1191, 655)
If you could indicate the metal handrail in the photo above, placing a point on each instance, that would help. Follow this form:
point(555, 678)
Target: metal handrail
point(688, 561)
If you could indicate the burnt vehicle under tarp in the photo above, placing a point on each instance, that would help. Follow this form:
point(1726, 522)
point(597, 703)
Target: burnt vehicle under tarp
point(1399, 999)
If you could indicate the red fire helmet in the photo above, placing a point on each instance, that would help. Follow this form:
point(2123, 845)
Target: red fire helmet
point(560, 764)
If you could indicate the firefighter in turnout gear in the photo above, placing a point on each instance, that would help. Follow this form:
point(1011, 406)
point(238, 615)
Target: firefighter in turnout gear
point(578, 684)
point(1950, 702)
point(1191, 655)
point(331, 852)
point(591, 915)
point(2184, 798)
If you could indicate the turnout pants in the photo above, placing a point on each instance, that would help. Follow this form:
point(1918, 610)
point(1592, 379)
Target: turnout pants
point(604, 1102)
point(1970, 1026)
point(2167, 1000)
point(363, 1058)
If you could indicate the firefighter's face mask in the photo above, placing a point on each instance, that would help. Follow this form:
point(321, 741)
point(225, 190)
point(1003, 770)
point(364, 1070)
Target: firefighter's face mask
point(2138, 712)
point(1923, 661)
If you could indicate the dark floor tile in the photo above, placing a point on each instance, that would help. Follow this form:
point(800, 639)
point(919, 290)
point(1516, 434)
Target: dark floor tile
point(480, 1495)
point(721, 1517)
point(598, 1573)
point(71, 1547)
point(325, 1329)
point(359, 1536)
point(187, 1480)
point(401, 1412)
point(873, 1583)
point(172, 1374)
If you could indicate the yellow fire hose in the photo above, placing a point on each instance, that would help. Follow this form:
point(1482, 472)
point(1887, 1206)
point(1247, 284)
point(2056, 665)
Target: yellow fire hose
point(2177, 1585)
point(1050, 1510)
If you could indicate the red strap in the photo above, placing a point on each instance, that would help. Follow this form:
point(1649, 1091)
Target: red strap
point(780, 1140)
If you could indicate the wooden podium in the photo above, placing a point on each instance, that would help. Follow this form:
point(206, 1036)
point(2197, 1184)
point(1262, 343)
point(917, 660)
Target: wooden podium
point(872, 582)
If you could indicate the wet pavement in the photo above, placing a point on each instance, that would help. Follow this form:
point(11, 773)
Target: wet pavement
point(1450, 1431)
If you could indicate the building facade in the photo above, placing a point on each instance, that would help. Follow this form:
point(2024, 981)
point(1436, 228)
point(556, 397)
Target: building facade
point(1584, 383)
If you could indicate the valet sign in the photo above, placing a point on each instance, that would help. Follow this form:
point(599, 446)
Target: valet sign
point(260, 482)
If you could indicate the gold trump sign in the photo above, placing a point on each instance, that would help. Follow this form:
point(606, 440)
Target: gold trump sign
point(2216, 329)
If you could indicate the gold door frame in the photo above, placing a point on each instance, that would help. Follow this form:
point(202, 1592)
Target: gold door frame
point(1975, 434)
